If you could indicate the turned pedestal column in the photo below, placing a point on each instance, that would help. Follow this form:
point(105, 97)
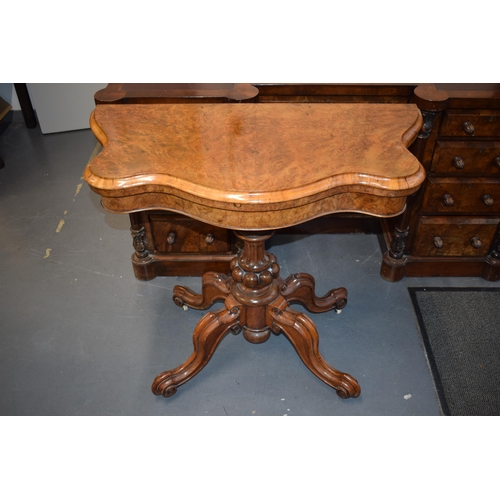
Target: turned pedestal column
point(257, 303)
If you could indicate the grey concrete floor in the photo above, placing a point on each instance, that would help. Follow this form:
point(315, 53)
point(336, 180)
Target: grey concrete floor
point(79, 335)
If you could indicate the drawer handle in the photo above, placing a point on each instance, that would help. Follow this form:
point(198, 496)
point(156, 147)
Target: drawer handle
point(171, 237)
point(496, 161)
point(209, 238)
point(476, 242)
point(468, 128)
point(438, 242)
point(448, 200)
point(487, 200)
point(458, 162)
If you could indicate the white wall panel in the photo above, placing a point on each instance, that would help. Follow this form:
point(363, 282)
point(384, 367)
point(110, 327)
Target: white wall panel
point(63, 106)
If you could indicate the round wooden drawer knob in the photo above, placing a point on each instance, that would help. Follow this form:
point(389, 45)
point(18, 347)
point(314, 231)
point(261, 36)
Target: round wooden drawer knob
point(448, 200)
point(171, 237)
point(458, 162)
point(209, 238)
point(476, 242)
point(496, 161)
point(487, 200)
point(438, 242)
point(468, 128)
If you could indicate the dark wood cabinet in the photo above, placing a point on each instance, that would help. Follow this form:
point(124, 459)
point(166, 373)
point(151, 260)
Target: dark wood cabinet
point(170, 244)
point(451, 227)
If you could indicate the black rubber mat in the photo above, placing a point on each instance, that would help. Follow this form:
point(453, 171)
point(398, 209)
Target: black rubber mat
point(460, 329)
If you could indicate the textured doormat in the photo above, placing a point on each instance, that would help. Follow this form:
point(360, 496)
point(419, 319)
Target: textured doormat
point(460, 329)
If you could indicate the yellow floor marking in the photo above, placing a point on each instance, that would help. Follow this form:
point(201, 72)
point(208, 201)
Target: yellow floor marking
point(94, 153)
point(78, 188)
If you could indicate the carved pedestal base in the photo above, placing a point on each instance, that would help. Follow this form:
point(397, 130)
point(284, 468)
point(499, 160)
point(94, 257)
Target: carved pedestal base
point(257, 302)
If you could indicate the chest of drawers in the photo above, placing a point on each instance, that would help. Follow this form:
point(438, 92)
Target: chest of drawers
point(451, 228)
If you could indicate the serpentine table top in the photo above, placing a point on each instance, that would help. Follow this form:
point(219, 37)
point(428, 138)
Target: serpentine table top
point(256, 166)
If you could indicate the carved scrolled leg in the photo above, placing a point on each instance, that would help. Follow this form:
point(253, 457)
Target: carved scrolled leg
point(300, 288)
point(302, 333)
point(208, 334)
point(214, 287)
point(257, 303)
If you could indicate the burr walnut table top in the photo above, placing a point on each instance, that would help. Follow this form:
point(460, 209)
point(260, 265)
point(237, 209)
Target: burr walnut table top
point(255, 166)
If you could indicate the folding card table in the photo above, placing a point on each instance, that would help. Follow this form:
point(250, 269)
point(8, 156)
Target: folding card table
point(254, 168)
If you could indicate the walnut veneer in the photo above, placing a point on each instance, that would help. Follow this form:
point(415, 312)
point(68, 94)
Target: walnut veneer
point(254, 168)
point(199, 161)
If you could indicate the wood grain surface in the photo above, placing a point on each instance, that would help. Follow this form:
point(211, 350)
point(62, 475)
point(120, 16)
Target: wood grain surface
point(256, 166)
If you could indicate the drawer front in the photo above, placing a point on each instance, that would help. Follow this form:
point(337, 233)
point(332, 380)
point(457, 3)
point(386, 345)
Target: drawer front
point(178, 234)
point(466, 157)
point(454, 237)
point(477, 123)
point(461, 196)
